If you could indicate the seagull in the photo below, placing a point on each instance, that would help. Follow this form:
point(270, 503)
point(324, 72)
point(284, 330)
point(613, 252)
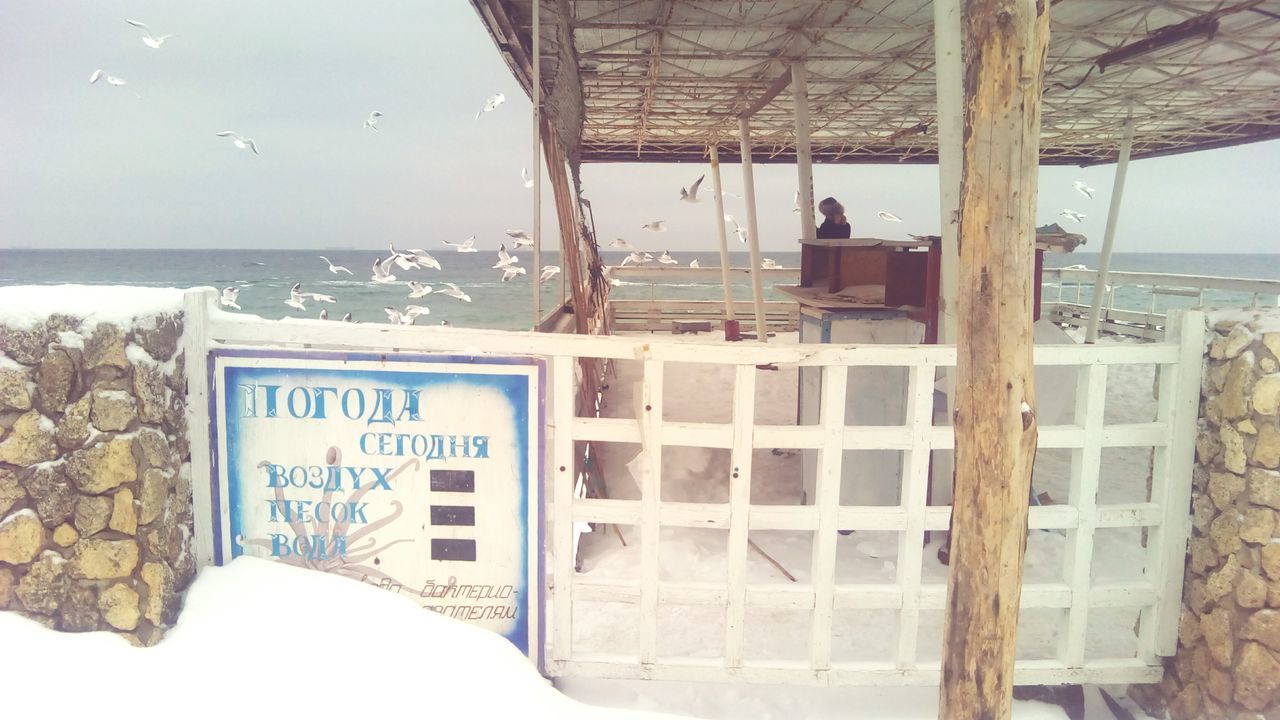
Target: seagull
point(417, 289)
point(406, 261)
point(655, 226)
point(726, 193)
point(694, 263)
point(548, 272)
point(467, 245)
point(295, 298)
point(229, 296)
point(371, 122)
point(510, 272)
point(335, 269)
point(148, 39)
point(888, 216)
point(796, 209)
point(422, 258)
point(1083, 188)
point(491, 104)
point(666, 259)
point(414, 311)
point(382, 271)
point(1073, 215)
point(445, 323)
point(398, 318)
point(454, 291)
point(505, 259)
point(347, 318)
point(321, 298)
point(111, 79)
point(637, 257)
point(690, 195)
point(738, 229)
point(243, 143)
point(621, 244)
point(520, 237)
point(526, 177)
point(769, 264)
point(324, 314)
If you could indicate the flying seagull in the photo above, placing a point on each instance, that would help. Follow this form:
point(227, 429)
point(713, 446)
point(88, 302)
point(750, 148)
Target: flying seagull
point(655, 226)
point(454, 291)
point(399, 318)
point(726, 193)
point(520, 238)
point(548, 272)
point(467, 245)
point(694, 263)
point(417, 289)
point(769, 264)
point(148, 39)
point(505, 259)
point(528, 179)
point(423, 258)
point(111, 79)
point(371, 122)
point(690, 195)
point(666, 259)
point(740, 231)
point(491, 104)
point(510, 272)
point(888, 217)
point(335, 269)
point(637, 257)
point(796, 209)
point(295, 298)
point(243, 143)
point(1083, 188)
point(1073, 215)
point(621, 244)
point(229, 296)
point(382, 271)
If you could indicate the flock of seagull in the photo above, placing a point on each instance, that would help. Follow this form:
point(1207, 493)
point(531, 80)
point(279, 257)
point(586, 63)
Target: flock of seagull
point(383, 270)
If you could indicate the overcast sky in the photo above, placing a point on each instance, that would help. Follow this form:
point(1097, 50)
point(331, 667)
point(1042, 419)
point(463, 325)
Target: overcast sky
point(139, 165)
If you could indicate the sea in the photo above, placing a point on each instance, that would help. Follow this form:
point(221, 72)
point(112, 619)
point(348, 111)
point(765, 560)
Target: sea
point(265, 277)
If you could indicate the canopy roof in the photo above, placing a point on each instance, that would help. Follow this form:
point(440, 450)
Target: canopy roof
point(656, 80)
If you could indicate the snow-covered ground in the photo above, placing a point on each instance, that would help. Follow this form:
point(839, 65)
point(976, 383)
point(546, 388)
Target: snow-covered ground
point(264, 639)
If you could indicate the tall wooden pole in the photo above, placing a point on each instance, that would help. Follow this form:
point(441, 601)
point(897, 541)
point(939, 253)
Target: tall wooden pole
point(995, 426)
point(721, 232)
point(753, 227)
point(804, 152)
point(1109, 235)
point(536, 270)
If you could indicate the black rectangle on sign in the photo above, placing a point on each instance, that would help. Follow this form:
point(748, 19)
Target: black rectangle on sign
point(453, 515)
point(453, 481)
point(447, 549)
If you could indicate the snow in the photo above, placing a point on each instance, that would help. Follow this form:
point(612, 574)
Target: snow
point(1266, 320)
point(25, 306)
point(274, 638)
point(71, 339)
point(8, 363)
point(28, 512)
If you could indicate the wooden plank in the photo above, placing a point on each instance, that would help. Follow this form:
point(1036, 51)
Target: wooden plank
point(563, 479)
point(744, 413)
point(915, 488)
point(196, 304)
point(1179, 407)
point(1006, 43)
point(650, 507)
point(1091, 397)
point(827, 499)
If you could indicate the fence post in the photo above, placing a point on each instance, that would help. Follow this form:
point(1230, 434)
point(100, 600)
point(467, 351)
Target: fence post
point(195, 348)
point(835, 380)
point(562, 494)
point(650, 417)
point(744, 404)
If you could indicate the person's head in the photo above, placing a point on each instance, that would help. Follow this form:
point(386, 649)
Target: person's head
point(830, 207)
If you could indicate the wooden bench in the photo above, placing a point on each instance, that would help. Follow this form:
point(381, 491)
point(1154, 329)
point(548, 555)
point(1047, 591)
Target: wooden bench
point(680, 327)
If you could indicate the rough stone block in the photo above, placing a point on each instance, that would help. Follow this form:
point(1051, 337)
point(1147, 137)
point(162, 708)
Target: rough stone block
point(1224, 488)
point(1264, 627)
point(1264, 487)
point(65, 535)
point(1266, 395)
point(113, 410)
point(42, 589)
point(73, 429)
point(104, 559)
point(79, 611)
point(1257, 677)
point(102, 467)
point(1266, 449)
point(14, 394)
point(55, 382)
point(105, 347)
point(25, 346)
point(11, 491)
point(124, 516)
point(1258, 524)
point(1217, 629)
point(1251, 591)
point(21, 538)
point(119, 607)
point(30, 441)
point(92, 515)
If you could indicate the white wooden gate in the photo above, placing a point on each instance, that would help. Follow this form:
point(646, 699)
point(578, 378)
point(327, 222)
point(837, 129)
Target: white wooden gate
point(1164, 516)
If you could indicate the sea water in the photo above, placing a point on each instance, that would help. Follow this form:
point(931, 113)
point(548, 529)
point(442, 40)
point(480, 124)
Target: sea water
point(265, 276)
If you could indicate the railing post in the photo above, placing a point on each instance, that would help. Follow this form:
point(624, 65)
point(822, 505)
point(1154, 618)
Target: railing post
point(835, 381)
point(650, 418)
point(744, 403)
point(563, 478)
point(1109, 234)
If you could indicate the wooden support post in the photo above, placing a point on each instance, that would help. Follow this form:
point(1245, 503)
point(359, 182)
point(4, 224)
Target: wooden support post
point(804, 153)
point(753, 228)
point(995, 422)
point(1109, 235)
point(721, 232)
point(536, 93)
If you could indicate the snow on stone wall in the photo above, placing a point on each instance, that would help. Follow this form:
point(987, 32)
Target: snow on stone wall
point(95, 495)
point(1228, 659)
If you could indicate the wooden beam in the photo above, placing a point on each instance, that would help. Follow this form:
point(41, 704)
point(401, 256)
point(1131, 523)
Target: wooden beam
point(782, 83)
point(995, 425)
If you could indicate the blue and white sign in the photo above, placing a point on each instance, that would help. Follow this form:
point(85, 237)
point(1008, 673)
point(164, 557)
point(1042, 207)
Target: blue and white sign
point(418, 474)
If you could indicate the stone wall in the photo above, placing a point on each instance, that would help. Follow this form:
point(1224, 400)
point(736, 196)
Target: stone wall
point(95, 496)
point(1228, 659)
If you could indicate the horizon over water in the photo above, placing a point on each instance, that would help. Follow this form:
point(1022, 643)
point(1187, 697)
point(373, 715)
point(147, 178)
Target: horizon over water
point(265, 277)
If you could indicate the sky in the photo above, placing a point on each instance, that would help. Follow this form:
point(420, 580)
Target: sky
point(140, 166)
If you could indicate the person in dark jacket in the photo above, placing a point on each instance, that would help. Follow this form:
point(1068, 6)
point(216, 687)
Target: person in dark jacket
point(836, 225)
